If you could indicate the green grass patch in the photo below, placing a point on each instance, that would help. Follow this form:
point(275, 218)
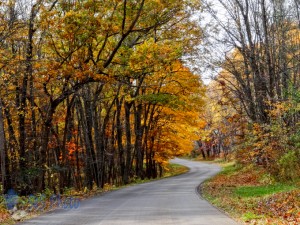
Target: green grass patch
point(250, 216)
point(170, 170)
point(252, 196)
point(229, 168)
point(259, 191)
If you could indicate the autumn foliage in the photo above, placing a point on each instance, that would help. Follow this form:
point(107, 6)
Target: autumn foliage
point(253, 107)
point(95, 92)
point(254, 99)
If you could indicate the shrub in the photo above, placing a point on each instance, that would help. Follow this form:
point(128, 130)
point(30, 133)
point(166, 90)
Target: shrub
point(289, 165)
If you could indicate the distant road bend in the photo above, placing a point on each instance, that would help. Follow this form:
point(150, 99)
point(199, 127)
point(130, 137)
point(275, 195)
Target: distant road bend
point(171, 201)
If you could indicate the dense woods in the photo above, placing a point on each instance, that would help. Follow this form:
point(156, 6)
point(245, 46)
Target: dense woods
point(97, 92)
point(255, 95)
point(94, 92)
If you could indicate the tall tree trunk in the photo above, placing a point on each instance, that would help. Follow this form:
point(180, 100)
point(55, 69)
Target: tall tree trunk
point(2, 152)
point(96, 110)
point(67, 135)
point(138, 139)
point(44, 153)
point(89, 126)
point(127, 169)
point(119, 130)
point(23, 96)
point(90, 173)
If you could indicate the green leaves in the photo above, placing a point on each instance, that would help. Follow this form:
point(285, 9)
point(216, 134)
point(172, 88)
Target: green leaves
point(164, 99)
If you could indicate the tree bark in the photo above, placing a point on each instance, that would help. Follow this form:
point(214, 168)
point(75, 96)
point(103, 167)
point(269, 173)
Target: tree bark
point(2, 152)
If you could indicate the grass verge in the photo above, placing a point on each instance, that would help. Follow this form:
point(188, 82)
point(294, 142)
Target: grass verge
point(174, 169)
point(251, 196)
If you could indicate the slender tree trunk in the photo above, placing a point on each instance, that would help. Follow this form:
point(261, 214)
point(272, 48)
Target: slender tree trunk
point(23, 96)
point(90, 173)
point(88, 107)
point(67, 135)
point(2, 152)
point(119, 130)
point(127, 169)
point(96, 111)
point(138, 140)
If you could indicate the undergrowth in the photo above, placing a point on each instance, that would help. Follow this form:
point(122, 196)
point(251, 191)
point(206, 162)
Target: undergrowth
point(252, 196)
point(45, 204)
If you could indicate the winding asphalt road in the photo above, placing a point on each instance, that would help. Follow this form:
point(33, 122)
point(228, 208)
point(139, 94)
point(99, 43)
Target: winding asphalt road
point(171, 201)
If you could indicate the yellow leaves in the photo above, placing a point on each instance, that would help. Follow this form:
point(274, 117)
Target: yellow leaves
point(179, 121)
point(144, 55)
point(280, 108)
point(153, 56)
point(221, 115)
point(128, 98)
point(157, 1)
point(178, 129)
point(257, 129)
point(70, 14)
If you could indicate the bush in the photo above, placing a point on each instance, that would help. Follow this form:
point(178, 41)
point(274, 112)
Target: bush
point(289, 165)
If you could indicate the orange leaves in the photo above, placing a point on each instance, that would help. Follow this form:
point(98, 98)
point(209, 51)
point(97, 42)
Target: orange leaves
point(4, 215)
point(202, 124)
point(180, 98)
point(72, 147)
point(283, 205)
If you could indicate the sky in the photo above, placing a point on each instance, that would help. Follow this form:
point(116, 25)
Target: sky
point(210, 52)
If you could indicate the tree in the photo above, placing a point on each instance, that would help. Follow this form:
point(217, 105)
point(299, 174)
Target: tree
point(260, 72)
point(260, 38)
point(85, 84)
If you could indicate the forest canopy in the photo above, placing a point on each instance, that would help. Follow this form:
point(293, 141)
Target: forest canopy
point(95, 92)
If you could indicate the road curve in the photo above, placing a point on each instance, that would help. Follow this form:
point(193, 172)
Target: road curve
point(171, 201)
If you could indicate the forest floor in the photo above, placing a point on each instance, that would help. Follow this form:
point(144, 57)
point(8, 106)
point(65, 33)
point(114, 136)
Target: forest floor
point(27, 208)
point(251, 196)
